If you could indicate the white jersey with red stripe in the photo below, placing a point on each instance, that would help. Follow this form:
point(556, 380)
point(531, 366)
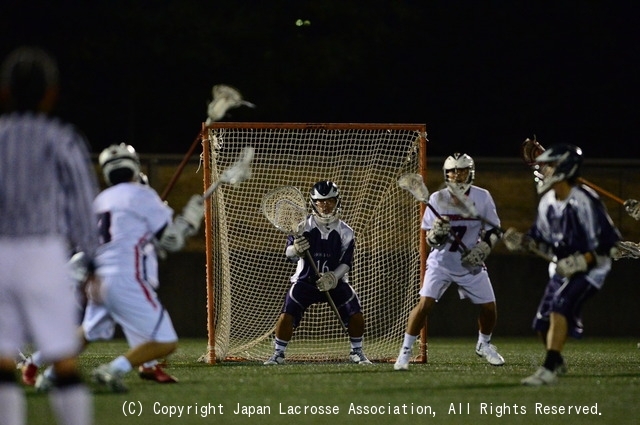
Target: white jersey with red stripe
point(468, 229)
point(129, 215)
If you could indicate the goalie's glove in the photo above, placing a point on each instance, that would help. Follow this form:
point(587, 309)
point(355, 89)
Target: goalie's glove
point(301, 245)
point(568, 266)
point(193, 212)
point(476, 255)
point(632, 207)
point(327, 281)
point(439, 232)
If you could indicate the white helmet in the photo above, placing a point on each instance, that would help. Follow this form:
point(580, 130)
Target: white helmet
point(325, 190)
point(459, 161)
point(119, 157)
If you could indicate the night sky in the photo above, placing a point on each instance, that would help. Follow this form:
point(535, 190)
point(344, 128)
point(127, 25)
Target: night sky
point(483, 75)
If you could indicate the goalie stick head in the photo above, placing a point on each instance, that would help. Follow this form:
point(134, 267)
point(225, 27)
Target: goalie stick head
point(119, 163)
point(558, 163)
point(459, 172)
point(224, 98)
point(414, 183)
point(285, 208)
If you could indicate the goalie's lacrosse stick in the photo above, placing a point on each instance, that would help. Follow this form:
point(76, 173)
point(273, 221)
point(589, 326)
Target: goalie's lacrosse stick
point(413, 183)
point(531, 149)
point(224, 98)
point(285, 208)
point(470, 210)
point(238, 172)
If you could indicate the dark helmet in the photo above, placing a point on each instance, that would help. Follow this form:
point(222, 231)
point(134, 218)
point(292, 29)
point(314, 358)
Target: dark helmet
point(325, 190)
point(566, 161)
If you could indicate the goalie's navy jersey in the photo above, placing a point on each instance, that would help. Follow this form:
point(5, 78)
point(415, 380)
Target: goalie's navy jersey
point(579, 223)
point(331, 245)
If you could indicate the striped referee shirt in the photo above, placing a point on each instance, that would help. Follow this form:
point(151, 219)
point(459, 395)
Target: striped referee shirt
point(47, 181)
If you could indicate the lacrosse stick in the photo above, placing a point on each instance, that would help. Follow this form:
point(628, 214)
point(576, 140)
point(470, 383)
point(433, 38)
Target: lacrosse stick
point(285, 208)
point(413, 183)
point(531, 149)
point(224, 98)
point(238, 172)
point(626, 249)
point(470, 210)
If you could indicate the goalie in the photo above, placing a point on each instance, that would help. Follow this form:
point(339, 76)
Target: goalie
point(331, 242)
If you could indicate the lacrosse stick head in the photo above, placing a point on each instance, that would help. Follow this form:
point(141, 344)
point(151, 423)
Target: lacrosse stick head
point(285, 208)
point(224, 98)
point(530, 150)
point(414, 184)
point(240, 170)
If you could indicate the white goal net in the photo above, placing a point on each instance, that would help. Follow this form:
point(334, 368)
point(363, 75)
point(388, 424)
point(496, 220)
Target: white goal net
point(247, 271)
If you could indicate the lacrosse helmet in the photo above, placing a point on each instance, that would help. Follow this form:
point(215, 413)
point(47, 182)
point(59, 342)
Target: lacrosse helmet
point(325, 190)
point(455, 162)
point(559, 162)
point(119, 163)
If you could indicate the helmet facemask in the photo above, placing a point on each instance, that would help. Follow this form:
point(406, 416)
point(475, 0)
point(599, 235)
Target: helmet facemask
point(556, 164)
point(459, 172)
point(325, 202)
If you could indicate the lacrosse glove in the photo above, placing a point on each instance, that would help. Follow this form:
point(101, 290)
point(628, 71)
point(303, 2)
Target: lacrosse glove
point(439, 232)
point(476, 255)
point(193, 212)
point(568, 266)
point(301, 245)
point(632, 207)
point(327, 281)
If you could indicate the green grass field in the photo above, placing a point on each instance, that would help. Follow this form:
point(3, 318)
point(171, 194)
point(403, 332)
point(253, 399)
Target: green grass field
point(455, 387)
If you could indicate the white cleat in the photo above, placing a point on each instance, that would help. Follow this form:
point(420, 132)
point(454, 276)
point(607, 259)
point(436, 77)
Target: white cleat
point(402, 362)
point(542, 376)
point(490, 353)
point(276, 359)
point(358, 357)
point(103, 375)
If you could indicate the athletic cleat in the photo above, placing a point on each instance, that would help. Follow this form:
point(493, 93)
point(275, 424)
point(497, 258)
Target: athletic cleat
point(542, 376)
point(103, 375)
point(276, 359)
point(490, 353)
point(29, 372)
point(561, 369)
point(358, 357)
point(402, 362)
point(43, 383)
point(156, 374)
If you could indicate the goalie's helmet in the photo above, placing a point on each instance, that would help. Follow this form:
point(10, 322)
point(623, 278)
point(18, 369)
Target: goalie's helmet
point(559, 162)
point(119, 163)
point(321, 191)
point(459, 163)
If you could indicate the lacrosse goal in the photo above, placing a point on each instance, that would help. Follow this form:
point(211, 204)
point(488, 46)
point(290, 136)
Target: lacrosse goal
point(247, 271)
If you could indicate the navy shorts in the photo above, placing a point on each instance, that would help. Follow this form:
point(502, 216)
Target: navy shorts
point(301, 295)
point(565, 297)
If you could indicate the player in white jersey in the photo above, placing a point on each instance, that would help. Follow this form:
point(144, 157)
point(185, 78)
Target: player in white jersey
point(331, 243)
point(47, 184)
point(574, 225)
point(459, 246)
point(131, 217)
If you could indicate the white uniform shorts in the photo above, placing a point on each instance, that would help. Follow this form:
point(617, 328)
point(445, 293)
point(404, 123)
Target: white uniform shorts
point(132, 304)
point(476, 287)
point(37, 304)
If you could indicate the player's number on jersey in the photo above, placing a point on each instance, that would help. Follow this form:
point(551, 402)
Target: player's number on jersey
point(459, 231)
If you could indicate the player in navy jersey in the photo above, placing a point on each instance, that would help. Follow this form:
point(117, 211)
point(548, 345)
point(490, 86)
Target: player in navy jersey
point(330, 242)
point(451, 262)
point(573, 224)
point(47, 184)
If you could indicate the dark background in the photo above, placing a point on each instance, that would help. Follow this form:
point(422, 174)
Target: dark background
point(483, 75)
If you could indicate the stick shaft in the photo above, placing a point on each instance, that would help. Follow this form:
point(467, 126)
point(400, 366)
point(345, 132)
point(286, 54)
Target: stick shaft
point(183, 163)
point(329, 299)
point(601, 191)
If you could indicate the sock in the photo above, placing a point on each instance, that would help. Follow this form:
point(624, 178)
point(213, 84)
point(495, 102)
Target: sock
point(356, 343)
point(281, 345)
point(553, 360)
point(121, 365)
point(72, 404)
point(13, 404)
point(409, 340)
point(484, 339)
